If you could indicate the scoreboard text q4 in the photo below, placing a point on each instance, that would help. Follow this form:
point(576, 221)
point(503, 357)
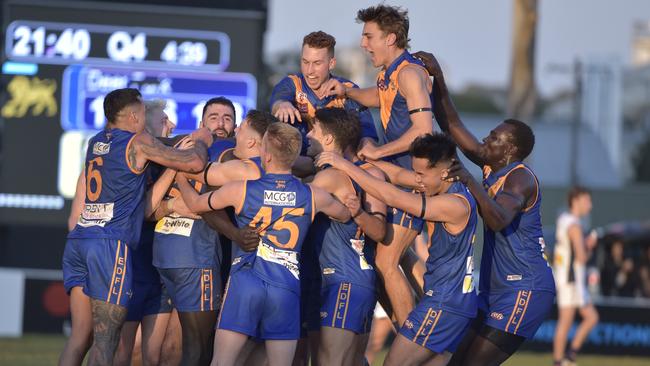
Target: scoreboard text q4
point(57, 69)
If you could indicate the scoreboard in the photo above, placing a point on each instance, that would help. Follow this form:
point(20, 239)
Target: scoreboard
point(60, 58)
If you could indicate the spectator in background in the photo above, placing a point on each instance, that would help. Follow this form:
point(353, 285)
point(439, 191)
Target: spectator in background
point(644, 272)
point(617, 277)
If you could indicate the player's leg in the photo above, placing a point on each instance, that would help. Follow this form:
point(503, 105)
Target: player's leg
point(440, 359)
point(313, 337)
point(389, 253)
point(381, 327)
point(414, 268)
point(361, 344)
point(492, 347)
point(81, 335)
point(107, 325)
point(153, 335)
point(127, 340)
point(197, 331)
point(565, 317)
point(280, 352)
point(589, 316)
point(335, 344)
point(404, 352)
point(171, 352)
point(227, 346)
point(301, 358)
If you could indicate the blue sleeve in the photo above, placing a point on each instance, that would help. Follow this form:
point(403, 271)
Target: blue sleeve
point(284, 90)
point(368, 128)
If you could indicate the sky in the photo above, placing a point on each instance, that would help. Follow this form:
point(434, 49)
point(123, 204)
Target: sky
point(472, 38)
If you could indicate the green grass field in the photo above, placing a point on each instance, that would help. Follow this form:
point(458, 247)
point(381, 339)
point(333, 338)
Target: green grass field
point(37, 349)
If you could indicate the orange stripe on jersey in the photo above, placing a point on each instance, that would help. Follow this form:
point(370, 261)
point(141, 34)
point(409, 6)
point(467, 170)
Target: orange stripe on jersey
point(514, 309)
point(110, 288)
point(336, 306)
point(313, 205)
point(498, 185)
point(243, 198)
point(469, 213)
point(347, 302)
point(424, 321)
point(530, 294)
point(432, 327)
point(301, 96)
point(223, 153)
point(388, 94)
point(126, 257)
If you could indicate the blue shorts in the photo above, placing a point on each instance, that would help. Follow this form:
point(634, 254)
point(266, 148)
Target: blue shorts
point(433, 328)
point(348, 306)
point(148, 299)
point(518, 312)
point(101, 266)
point(310, 303)
point(396, 216)
point(192, 289)
point(259, 309)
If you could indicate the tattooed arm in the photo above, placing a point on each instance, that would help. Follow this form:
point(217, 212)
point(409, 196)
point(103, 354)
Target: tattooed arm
point(145, 147)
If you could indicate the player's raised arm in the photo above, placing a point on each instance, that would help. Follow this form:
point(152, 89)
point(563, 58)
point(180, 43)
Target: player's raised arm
point(446, 113)
point(218, 174)
point(145, 147)
point(328, 205)
point(368, 97)
point(398, 175)
point(371, 215)
point(156, 193)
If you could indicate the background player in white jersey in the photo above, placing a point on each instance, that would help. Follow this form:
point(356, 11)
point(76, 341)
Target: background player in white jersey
point(572, 251)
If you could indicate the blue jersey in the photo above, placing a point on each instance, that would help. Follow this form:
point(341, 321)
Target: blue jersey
point(450, 265)
point(294, 89)
point(283, 207)
point(513, 258)
point(343, 248)
point(218, 148)
point(181, 242)
point(394, 112)
point(143, 269)
point(114, 204)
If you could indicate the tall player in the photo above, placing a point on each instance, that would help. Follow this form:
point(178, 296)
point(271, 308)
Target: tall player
point(572, 251)
point(262, 294)
point(435, 327)
point(517, 288)
point(110, 222)
point(403, 95)
point(346, 259)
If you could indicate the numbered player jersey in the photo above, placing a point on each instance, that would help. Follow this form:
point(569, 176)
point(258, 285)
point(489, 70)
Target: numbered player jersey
point(513, 258)
point(394, 112)
point(114, 205)
point(344, 255)
point(450, 265)
point(282, 207)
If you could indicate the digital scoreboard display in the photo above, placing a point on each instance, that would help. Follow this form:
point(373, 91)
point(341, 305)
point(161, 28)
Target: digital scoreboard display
point(59, 60)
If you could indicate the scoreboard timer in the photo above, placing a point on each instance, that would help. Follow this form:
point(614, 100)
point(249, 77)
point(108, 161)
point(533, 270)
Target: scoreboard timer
point(61, 58)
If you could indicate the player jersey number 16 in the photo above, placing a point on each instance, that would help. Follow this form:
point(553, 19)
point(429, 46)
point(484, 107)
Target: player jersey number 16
point(264, 216)
point(94, 175)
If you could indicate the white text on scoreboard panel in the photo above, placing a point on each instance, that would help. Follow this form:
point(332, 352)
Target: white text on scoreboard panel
point(66, 43)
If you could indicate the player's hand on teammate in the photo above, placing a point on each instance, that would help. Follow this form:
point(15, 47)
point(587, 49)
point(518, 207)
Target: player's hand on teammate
point(369, 151)
point(329, 158)
point(249, 239)
point(332, 87)
point(202, 134)
point(179, 207)
point(288, 113)
point(186, 143)
point(430, 63)
point(457, 172)
point(352, 202)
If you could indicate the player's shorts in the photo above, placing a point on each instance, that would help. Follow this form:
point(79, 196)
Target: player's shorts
point(348, 306)
point(310, 303)
point(101, 266)
point(436, 329)
point(148, 299)
point(396, 216)
point(572, 295)
point(192, 289)
point(518, 312)
point(259, 309)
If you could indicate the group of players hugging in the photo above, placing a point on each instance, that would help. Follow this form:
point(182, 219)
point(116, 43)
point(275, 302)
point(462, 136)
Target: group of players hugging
point(283, 233)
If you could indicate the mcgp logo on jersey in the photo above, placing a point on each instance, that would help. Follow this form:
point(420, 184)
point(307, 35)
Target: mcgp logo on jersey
point(279, 198)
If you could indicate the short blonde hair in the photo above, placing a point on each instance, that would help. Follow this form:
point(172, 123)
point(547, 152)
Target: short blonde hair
point(150, 107)
point(283, 142)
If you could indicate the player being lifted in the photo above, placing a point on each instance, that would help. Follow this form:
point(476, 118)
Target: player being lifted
point(262, 294)
point(344, 249)
point(436, 326)
point(403, 95)
point(113, 212)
